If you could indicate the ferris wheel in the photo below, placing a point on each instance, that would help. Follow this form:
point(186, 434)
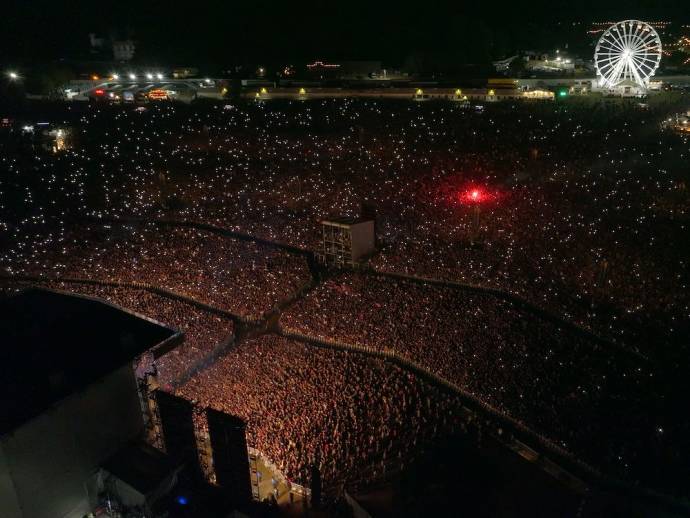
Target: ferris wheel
point(627, 51)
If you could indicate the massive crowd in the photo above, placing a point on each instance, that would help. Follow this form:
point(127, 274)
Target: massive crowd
point(243, 277)
point(353, 416)
point(581, 209)
point(555, 381)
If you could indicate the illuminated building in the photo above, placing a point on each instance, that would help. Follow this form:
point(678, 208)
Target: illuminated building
point(321, 69)
point(345, 241)
point(541, 95)
point(555, 62)
point(184, 73)
point(679, 123)
point(61, 139)
point(158, 94)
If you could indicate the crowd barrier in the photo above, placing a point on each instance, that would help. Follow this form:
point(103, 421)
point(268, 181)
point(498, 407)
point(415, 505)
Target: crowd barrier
point(309, 255)
point(505, 295)
point(169, 344)
point(279, 476)
point(165, 292)
point(519, 431)
point(207, 227)
point(516, 427)
point(513, 299)
point(473, 401)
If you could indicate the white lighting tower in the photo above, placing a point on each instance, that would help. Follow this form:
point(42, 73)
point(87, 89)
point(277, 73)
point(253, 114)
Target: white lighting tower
point(628, 51)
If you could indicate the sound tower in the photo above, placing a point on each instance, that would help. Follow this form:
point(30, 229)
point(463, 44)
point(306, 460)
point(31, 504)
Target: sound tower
point(176, 415)
point(230, 456)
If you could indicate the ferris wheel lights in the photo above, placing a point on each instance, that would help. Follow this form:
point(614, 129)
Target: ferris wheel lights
point(627, 52)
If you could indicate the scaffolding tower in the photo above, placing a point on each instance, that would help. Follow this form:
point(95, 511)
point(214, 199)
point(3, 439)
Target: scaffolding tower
point(345, 241)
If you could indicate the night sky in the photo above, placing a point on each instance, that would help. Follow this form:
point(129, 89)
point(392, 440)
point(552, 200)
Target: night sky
point(224, 32)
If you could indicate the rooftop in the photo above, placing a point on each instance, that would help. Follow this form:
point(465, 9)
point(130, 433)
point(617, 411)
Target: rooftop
point(141, 466)
point(345, 220)
point(55, 344)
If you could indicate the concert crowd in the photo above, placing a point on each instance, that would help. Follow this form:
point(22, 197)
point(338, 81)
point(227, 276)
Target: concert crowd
point(353, 416)
point(556, 381)
point(583, 208)
point(580, 209)
point(242, 277)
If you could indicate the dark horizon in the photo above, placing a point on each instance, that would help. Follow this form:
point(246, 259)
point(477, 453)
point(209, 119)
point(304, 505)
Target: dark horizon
point(219, 33)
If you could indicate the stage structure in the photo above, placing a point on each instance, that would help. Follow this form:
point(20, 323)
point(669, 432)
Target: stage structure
point(70, 397)
point(345, 241)
point(230, 456)
point(626, 56)
point(177, 420)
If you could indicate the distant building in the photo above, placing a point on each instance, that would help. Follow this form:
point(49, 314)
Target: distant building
point(502, 84)
point(627, 88)
point(57, 139)
point(70, 398)
point(544, 62)
point(538, 95)
point(503, 65)
point(575, 85)
point(360, 69)
point(184, 73)
point(123, 50)
point(353, 70)
point(679, 123)
point(345, 241)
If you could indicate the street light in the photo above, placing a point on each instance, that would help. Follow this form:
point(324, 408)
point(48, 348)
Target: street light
point(13, 76)
point(132, 76)
point(159, 76)
point(149, 76)
point(115, 77)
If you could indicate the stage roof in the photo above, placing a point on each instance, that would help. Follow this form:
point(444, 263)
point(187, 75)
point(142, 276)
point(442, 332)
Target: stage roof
point(55, 344)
